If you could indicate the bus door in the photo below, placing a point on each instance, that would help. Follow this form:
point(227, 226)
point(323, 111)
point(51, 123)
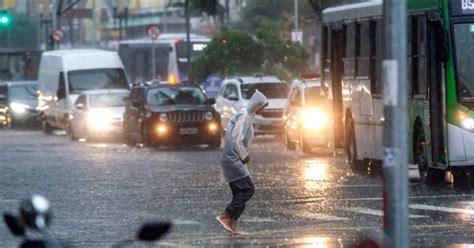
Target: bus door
point(336, 50)
point(437, 89)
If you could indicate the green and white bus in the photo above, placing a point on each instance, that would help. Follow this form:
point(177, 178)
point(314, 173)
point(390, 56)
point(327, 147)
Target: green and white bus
point(440, 77)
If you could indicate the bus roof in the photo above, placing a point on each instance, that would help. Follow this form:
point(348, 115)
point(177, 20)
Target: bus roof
point(370, 9)
point(167, 38)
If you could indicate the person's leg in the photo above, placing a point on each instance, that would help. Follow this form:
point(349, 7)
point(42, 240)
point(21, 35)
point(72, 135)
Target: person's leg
point(225, 218)
point(244, 190)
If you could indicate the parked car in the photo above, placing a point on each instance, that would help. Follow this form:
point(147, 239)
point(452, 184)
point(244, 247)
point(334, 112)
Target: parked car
point(64, 74)
point(98, 114)
point(236, 92)
point(307, 114)
point(18, 103)
point(171, 114)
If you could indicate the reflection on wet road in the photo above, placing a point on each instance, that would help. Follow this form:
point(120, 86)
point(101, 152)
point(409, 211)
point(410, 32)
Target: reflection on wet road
point(102, 191)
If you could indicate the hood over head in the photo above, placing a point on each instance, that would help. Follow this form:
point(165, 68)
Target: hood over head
point(257, 101)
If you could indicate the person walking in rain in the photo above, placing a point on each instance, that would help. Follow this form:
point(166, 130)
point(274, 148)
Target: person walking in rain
point(235, 159)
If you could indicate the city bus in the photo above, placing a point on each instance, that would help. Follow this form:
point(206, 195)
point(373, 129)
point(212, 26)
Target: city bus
point(440, 78)
point(170, 57)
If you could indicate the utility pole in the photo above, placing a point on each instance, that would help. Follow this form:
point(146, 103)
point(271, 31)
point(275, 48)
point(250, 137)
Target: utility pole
point(188, 32)
point(296, 15)
point(395, 162)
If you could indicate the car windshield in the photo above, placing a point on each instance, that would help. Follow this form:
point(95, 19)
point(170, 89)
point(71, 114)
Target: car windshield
point(24, 92)
point(464, 41)
point(108, 100)
point(313, 95)
point(270, 90)
point(95, 79)
point(175, 95)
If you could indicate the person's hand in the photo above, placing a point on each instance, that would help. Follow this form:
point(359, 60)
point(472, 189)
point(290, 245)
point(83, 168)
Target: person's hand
point(246, 160)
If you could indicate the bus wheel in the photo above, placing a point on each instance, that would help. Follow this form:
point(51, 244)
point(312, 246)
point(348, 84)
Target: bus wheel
point(429, 176)
point(462, 178)
point(351, 149)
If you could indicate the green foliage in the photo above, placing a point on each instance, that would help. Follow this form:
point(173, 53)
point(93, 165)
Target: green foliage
point(209, 7)
point(229, 53)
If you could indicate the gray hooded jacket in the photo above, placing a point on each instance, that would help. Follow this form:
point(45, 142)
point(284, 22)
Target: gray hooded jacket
point(238, 139)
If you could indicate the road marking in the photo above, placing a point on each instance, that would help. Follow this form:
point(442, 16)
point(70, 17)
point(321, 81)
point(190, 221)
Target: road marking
point(442, 209)
point(314, 216)
point(375, 212)
point(256, 220)
point(185, 222)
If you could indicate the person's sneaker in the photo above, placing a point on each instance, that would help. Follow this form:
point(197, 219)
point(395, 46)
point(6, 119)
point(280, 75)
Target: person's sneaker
point(225, 221)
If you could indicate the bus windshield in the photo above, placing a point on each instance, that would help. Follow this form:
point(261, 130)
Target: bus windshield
point(138, 63)
point(313, 96)
point(175, 95)
point(464, 41)
point(95, 79)
point(181, 52)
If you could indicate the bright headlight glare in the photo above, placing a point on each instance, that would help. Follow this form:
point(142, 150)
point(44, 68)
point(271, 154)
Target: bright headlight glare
point(314, 119)
point(213, 127)
point(208, 116)
point(468, 123)
point(161, 129)
point(18, 107)
point(163, 117)
point(99, 119)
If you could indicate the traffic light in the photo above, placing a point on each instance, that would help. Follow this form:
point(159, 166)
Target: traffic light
point(5, 18)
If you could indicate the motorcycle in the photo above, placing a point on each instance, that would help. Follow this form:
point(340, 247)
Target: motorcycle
point(35, 216)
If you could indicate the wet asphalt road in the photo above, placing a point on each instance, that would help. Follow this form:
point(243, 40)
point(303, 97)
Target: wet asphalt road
point(101, 192)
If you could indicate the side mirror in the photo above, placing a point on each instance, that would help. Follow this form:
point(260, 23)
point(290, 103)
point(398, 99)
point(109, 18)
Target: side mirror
point(442, 45)
point(210, 101)
point(80, 106)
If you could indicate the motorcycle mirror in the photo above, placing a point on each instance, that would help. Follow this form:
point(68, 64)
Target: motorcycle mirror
point(14, 224)
point(36, 212)
point(153, 231)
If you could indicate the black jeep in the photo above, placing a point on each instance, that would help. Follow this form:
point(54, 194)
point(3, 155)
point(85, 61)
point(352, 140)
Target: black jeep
point(171, 114)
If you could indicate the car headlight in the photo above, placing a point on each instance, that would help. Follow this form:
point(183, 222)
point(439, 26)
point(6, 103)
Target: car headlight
point(163, 117)
point(314, 119)
point(208, 116)
point(99, 119)
point(19, 108)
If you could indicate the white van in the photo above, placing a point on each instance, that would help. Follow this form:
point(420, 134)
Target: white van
point(64, 74)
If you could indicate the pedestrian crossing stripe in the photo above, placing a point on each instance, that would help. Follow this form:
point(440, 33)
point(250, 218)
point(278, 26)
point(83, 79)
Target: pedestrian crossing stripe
point(442, 209)
point(375, 212)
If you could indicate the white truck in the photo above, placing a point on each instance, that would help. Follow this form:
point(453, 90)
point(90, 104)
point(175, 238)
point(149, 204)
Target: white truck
point(64, 74)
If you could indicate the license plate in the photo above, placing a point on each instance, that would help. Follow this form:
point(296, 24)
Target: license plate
point(188, 131)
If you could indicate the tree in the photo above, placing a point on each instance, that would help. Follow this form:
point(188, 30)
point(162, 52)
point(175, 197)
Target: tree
point(230, 52)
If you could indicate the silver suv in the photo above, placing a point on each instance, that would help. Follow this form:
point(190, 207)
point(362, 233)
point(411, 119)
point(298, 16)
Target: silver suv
point(235, 93)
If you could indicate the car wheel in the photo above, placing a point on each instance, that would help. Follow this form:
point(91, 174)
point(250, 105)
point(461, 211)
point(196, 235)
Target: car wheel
point(215, 144)
point(47, 129)
point(145, 137)
point(462, 178)
point(304, 146)
point(428, 175)
point(72, 135)
point(290, 145)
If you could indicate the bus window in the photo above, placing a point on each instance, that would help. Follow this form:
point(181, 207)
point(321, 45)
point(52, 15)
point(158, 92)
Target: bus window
point(375, 56)
point(363, 49)
point(349, 60)
point(417, 55)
